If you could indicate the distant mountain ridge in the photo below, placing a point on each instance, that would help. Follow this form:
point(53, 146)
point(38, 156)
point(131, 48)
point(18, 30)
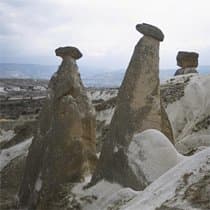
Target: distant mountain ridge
point(92, 77)
point(35, 71)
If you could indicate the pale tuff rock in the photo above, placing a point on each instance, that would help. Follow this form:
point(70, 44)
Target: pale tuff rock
point(188, 61)
point(190, 114)
point(147, 154)
point(63, 149)
point(138, 108)
point(185, 186)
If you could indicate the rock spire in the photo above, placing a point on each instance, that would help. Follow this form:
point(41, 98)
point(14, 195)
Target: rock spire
point(138, 108)
point(63, 149)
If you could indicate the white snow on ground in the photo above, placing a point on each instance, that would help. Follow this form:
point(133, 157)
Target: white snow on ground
point(6, 135)
point(7, 155)
point(153, 153)
point(164, 188)
point(103, 195)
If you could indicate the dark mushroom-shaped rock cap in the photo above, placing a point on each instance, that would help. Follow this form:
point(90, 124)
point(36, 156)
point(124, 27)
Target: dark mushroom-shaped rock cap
point(68, 51)
point(187, 59)
point(150, 30)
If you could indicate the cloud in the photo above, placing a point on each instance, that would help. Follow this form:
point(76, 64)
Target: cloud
point(103, 30)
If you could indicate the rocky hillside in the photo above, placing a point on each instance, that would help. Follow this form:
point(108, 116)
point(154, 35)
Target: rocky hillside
point(153, 141)
point(179, 94)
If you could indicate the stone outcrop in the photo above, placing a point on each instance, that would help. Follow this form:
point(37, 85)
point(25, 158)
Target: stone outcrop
point(185, 71)
point(138, 108)
point(185, 186)
point(10, 182)
point(147, 154)
point(166, 126)
point(22, 132)
point(188, 61)
point(63, 149)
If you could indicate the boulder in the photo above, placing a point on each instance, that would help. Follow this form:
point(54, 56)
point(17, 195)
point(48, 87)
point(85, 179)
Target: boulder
point(187, 59)
point(68, 51)
point(147, 154)
point(190, 114)
point(185, 186)
point(138, 108)
point(150, 30)
point(63, 149)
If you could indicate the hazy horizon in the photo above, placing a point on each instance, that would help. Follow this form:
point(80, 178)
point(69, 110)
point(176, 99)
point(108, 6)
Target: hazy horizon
point(103, 31)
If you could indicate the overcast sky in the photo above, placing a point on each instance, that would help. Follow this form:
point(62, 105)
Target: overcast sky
point(104, 31)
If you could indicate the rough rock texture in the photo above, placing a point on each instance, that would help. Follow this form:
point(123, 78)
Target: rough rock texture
point(187, 59)
point(63, 149)
point(172, 92)
point(166, 127)
point(21, 132)
point(150, 30)
point(190, 114)
point(68, 51)
point(138, 108)
point(21, 98)
point(184, 187)
point(10, 182)
point(187, 70)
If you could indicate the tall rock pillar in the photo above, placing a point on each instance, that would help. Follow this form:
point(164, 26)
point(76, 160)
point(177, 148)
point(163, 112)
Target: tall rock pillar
point(63, 149)
point(138, 108)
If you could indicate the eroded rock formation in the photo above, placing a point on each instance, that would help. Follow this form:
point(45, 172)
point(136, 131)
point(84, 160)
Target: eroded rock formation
point(188, 61)
point(63, 149)
point(138, 108)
